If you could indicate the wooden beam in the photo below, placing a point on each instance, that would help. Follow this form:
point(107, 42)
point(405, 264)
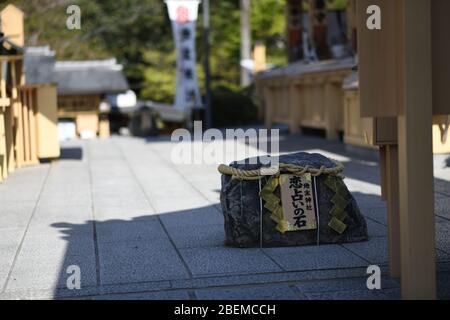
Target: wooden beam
point(26, 126)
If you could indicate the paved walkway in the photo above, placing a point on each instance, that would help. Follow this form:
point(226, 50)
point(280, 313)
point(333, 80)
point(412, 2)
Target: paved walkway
point(140, 227)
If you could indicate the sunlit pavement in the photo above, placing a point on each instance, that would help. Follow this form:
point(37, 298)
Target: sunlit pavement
point(140, 227)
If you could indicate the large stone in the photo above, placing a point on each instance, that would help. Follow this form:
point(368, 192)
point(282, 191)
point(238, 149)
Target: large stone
point(242, 210)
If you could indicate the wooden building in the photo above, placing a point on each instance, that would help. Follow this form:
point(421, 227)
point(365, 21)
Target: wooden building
point(28, 124)
point(82, 86)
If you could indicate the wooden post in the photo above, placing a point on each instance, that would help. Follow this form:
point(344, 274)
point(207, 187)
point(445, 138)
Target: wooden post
point(418, 270)
point(32, 110)
point(10, 140)
point(47, 122)
point(4, 102)
point(396, 81)
point(332, 114)
point(385, 135)
point(18, 121)
point(392, 195)
point(294, 108)
point(26, 127)
point(3, 157)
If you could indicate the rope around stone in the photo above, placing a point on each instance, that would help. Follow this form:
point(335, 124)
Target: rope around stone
point(283, 167)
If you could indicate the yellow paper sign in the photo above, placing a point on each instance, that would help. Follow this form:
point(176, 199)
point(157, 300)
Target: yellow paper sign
point(298, 202)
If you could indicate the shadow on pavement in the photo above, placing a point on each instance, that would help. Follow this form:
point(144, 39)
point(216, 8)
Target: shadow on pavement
point(75, 153)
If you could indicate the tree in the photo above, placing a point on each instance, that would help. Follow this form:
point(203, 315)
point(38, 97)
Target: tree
point(138, 33)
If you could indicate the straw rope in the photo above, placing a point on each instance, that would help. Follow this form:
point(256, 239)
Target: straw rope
point(283, 167)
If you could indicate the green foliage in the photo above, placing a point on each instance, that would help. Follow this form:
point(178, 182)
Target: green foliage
point(332, 5)
point(158, 71)
point(138, 33)
point(337, 4)
point(268, 25)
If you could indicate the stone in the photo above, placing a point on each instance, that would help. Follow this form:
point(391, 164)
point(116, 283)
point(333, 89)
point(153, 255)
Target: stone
point(242, 210)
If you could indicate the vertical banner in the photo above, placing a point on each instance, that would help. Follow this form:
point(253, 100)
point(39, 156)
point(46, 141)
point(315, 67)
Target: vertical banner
point(183, 14)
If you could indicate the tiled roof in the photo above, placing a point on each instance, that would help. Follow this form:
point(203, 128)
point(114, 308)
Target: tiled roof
point(74, 77)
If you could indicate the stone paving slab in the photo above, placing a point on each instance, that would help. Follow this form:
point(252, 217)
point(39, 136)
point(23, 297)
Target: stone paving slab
point(386, 294)
point(443, 281)
point(249, 293)
point(15, 214)
point(376, 229)
point(122, 212)
point(48, 272)
point(222, 260)
point(442, 186)
point(134, 261)
point(23, 186)
point(315, 257)
point(125, 231)
point(378, 214)
point(375, 251)
point(52, 215)
point(442, 206)
point(270, 277)
point(338, 285)
point(443, 234)
point(368, 201)
point(192, 217)
point(141, 227)
point(10, 237)
point(197, 236)
point(161, 295)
